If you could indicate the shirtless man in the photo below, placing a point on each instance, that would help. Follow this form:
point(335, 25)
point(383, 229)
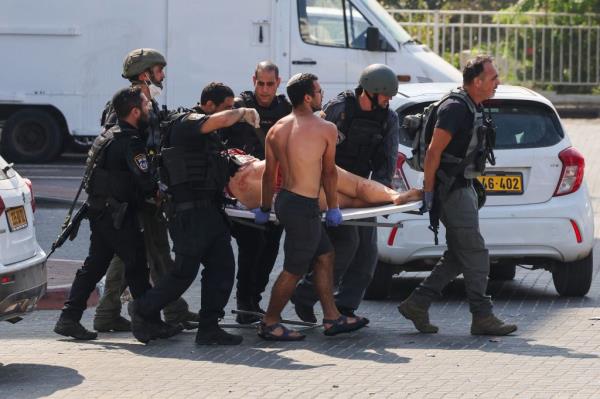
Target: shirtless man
point(302, 146)
point(353, 191)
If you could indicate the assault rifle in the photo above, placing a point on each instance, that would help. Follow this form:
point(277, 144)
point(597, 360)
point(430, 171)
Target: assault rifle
point(70, 228)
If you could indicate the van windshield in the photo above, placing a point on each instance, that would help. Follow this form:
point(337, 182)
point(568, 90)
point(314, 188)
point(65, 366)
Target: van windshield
point(388, 21)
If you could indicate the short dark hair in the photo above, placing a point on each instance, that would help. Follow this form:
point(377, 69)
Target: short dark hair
point(300, 85)
point(216, 92)
point(268, 66)
point(127, 99)
point(474, 67)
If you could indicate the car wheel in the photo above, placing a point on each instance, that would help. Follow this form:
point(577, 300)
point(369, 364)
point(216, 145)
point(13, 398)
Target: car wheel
point(503, 271)
point(574, 278)
point(31, 135)
point(381, 282)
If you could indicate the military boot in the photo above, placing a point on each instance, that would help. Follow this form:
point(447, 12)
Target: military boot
point(167, 330)
point(304, 312)
point(210, 333)
point(119, 324)
point(74, 329)
point(491, 325)
point(188, 320)
point(143, 330)
point(246, 304)
point(419, 315)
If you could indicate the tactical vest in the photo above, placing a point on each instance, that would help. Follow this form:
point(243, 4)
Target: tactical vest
point(199, 170)
point(254, 144)
point(360, 136)
point(480, 145)
point(268, 116)
point(104, 183)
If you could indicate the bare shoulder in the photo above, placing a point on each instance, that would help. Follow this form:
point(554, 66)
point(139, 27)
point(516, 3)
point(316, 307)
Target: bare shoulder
point(329, 129)
point(279, 128)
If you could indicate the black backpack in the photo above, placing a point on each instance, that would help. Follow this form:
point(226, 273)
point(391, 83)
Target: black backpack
point(419, 127)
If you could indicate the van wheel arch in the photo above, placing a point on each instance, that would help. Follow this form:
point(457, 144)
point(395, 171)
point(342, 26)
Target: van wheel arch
point(32, 133)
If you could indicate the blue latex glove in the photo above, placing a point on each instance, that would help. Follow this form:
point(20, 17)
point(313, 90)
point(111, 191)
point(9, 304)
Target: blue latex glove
point(333, 217)
point(427, 201)
point(260, 216)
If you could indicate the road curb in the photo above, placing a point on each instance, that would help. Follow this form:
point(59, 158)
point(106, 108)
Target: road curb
point(44, 200)
point(55, 297)
point(60, 278)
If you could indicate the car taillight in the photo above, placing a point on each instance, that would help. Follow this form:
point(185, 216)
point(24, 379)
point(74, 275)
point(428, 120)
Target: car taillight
point(399, 181)
point(2, 206)
point(30, 186)
point(571, 175)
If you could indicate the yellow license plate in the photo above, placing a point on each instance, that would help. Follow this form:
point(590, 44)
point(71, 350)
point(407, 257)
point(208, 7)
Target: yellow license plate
point(17, 218)
point(502, 183)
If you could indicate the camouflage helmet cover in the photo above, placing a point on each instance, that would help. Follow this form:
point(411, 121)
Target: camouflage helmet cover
point(379, 79)
point(140, 60)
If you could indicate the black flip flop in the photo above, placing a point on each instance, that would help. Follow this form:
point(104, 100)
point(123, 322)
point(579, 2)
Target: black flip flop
point(341, 325)
point(266, 333)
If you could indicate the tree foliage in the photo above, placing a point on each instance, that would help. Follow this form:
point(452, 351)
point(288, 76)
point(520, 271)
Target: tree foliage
point(570, 6)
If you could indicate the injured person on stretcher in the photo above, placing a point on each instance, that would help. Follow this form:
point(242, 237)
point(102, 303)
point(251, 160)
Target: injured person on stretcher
point(353, 191)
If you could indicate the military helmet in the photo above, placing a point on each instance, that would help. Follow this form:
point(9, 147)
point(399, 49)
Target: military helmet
point(140, 60)
point(379, 79)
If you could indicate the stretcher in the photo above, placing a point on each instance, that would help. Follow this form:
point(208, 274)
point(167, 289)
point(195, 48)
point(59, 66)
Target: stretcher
point(350, 216)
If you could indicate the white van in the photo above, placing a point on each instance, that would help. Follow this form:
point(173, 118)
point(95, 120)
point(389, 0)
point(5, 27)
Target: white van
point(63, 58)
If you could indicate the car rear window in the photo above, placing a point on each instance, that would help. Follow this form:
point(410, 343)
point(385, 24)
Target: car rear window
point(524, 124)
point(519, 124)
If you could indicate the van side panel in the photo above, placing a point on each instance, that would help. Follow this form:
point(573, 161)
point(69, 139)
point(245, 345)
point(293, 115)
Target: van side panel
point(69, 53)
point(210, 43)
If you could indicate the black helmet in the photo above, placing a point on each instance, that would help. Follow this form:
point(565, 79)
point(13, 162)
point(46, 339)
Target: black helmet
point(140, 60)
point(379, 79)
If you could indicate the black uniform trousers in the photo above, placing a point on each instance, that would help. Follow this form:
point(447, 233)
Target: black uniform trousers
point(105, 242)
point(257, 252)
point(200, 235)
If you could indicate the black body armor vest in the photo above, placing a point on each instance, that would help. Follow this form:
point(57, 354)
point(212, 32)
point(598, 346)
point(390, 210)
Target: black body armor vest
point(196, 171)
point(103, 182)
point(247, 138)
point(360, 136)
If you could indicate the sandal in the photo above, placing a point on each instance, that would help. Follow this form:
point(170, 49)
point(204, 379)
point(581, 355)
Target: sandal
point(342, 325)
point(266, 333)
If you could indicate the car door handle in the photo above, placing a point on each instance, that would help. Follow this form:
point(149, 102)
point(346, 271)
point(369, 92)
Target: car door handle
point(304, 62)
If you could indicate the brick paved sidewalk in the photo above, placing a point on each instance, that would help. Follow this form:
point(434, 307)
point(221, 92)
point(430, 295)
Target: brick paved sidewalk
point(554, 354)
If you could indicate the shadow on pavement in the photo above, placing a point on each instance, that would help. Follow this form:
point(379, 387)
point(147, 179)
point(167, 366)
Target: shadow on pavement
point(512, 345)
point(23, 380)
point(269, 355)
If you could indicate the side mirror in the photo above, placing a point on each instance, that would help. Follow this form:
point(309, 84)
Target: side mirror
point(373, 39)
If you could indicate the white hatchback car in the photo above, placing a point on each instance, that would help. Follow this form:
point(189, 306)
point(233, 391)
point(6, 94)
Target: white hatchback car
point(22, 262)
point(538, 210)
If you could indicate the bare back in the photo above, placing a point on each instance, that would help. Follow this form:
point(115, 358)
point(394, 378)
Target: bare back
point(299, 143)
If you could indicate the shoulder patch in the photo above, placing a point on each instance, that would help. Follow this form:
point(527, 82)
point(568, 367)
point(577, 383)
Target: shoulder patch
point(142, 162)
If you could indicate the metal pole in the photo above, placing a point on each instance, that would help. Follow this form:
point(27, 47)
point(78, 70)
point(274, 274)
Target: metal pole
point(436, 31)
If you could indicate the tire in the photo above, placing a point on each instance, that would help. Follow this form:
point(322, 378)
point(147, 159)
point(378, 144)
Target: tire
point(31, 135)
point(574, 278)
point(503, 271)
point(381, 282)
